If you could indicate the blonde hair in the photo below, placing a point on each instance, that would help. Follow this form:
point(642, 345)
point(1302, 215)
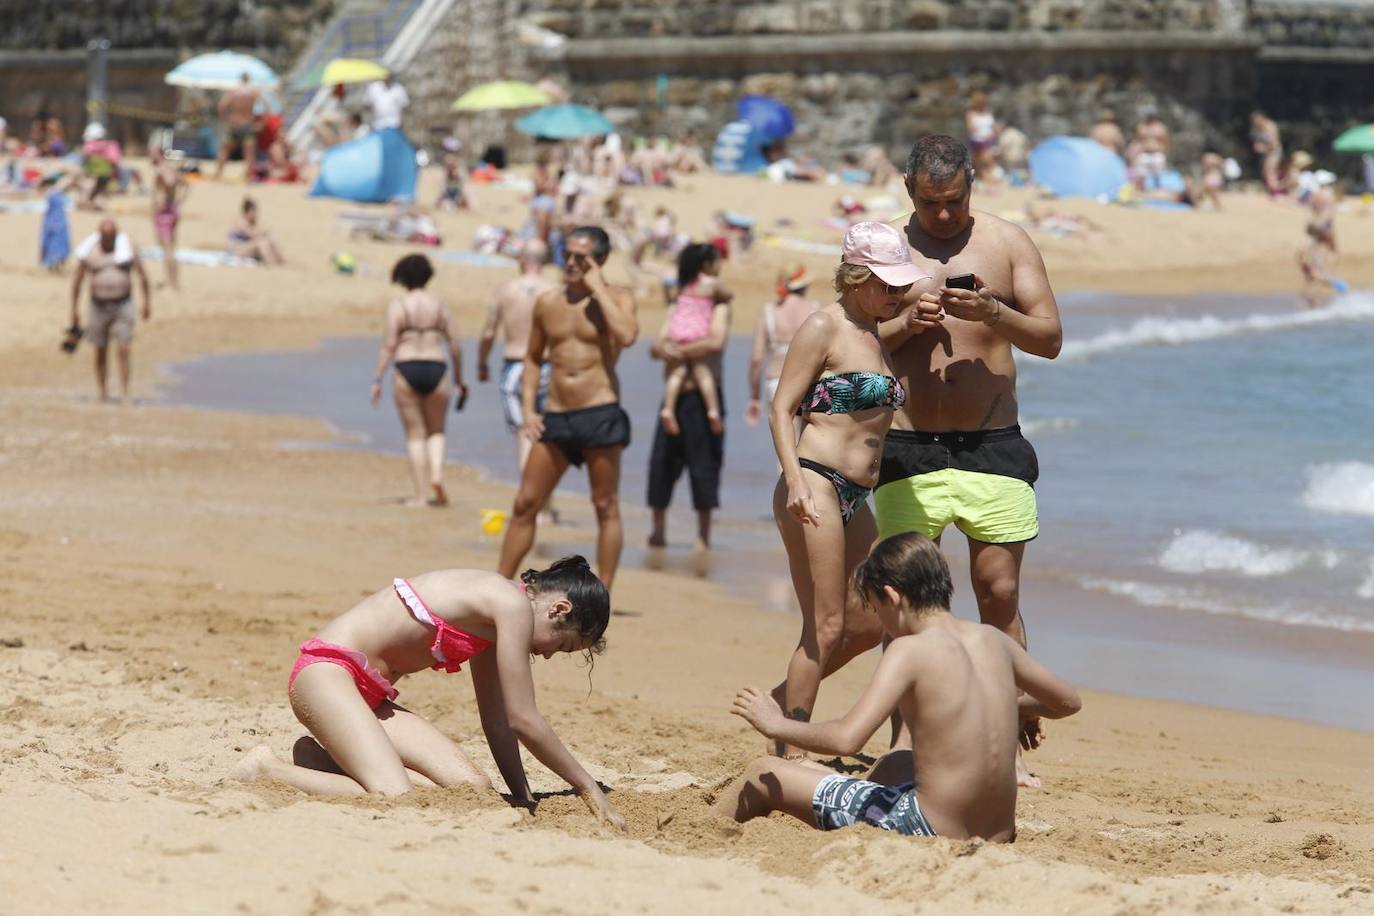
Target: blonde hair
point(847, 275)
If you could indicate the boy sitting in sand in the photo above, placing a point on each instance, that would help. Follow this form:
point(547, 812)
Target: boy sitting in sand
point(341, 686)
point(955, 683)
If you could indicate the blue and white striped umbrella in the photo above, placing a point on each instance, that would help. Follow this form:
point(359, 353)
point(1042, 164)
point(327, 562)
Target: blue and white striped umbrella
point(222, 70)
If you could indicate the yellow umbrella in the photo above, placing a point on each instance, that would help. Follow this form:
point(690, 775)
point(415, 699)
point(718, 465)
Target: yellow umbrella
point(343, 70)
point(500, 95)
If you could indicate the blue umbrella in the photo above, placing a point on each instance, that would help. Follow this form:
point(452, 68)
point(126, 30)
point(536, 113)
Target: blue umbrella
point(771, 119)
point(565, 122)
point(1077, 167)
point(221, 70)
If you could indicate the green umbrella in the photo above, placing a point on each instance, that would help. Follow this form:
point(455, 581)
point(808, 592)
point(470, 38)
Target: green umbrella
point(1356, 140)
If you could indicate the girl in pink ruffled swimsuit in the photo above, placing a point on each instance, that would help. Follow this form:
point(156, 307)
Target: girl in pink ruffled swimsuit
point(690, 322)
point(341, 687)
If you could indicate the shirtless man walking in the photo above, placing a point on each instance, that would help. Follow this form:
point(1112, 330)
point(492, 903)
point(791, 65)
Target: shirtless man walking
point(169, 190)
point(510, 315)
point(955, 453)
point(238, 115)
point(110, 258)
point(581, 328)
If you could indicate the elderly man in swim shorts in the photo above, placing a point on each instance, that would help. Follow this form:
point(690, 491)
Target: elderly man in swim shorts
point(110, 259)
point(581, 327)
point(955, 453)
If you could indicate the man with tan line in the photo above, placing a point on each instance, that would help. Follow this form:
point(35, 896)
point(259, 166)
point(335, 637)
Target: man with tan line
point(110, 258)
point(955, 453)
point(581, 327)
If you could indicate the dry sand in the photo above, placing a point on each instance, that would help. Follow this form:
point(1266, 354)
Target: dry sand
point(158, 566)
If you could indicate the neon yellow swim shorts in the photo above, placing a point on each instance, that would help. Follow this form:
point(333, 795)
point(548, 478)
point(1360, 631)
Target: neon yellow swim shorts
point(982, 482)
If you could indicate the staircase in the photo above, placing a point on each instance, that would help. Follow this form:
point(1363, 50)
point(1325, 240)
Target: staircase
point(390, 32)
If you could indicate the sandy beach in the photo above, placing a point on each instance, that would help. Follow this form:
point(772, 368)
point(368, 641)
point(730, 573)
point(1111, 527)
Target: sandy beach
point(161, 565)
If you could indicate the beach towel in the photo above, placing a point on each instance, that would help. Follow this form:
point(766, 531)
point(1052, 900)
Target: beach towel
point(123, 249)
point(200, 256)
point(474, 258)
point(55, 240)
point(778, 241)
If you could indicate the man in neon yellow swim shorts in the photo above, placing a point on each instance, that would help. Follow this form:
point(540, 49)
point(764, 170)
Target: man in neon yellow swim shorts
point(955, 454)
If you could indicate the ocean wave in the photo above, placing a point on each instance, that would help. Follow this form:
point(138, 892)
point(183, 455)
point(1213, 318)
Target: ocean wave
point(1342, 487)
point(1155, 595)
point(1366, 589)
point(1209, 551)
point(1175, 331)
point(1047, 425)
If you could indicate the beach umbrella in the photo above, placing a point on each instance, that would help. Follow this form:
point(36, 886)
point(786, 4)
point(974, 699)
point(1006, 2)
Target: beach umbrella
point(501, 95)
point(771, 119)
point(1356, 140)
point(342, 70)
point(221, 70)
point(1077, 167)
point(565, 122)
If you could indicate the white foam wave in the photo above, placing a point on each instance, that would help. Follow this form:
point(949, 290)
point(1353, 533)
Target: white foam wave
point(1366, 589)
point(1049, 425)
point(1153, 595)
point(1342, 487)
point(1175, 331)
point(1209, 551)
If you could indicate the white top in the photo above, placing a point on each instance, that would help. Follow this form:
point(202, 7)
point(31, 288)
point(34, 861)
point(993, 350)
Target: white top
point(123, 249)
point(387, 104)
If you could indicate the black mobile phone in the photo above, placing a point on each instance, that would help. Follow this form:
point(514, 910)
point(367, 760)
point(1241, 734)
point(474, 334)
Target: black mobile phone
point(961, 281)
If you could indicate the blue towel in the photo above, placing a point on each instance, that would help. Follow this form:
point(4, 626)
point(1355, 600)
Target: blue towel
point(56, 240)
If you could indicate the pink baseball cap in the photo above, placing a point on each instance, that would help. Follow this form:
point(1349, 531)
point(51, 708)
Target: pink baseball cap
point(882, 250)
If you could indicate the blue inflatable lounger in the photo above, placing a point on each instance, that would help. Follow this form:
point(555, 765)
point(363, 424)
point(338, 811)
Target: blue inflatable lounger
point(376, 168)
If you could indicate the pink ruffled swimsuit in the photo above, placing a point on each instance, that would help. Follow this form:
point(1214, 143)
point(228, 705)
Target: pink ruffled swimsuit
point(451, 648)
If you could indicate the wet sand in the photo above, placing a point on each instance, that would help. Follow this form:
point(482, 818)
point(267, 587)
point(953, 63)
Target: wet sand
point(161, 564)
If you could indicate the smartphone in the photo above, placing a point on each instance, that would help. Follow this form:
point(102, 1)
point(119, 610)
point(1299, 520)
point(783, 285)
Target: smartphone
point(462, 401)
point(961, 281)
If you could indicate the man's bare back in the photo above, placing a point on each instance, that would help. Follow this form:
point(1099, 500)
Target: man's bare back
point(514, 306)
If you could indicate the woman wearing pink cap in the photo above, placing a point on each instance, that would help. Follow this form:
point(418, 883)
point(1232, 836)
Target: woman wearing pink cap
point(837, 376)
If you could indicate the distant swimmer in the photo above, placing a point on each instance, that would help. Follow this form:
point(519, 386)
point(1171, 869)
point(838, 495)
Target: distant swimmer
point(580, 327)
point(509, 317)
point(342, 685)
point(955, 683)
point(110, 259)
point(955, 454)
point(421, 340)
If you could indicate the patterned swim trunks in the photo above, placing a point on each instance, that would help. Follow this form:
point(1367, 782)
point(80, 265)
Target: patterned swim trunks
point(843, 801)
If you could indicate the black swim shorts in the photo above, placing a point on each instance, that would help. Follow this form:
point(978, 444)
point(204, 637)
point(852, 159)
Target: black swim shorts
point(604, 426)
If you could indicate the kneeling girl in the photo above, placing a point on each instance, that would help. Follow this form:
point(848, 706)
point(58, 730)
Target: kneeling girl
point(341, 686)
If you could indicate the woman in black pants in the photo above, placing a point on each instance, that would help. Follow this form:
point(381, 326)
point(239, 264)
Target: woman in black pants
point(419, 337)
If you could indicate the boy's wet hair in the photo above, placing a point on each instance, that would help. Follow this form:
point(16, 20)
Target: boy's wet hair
point(912, 564)
point(413, 271)
point(692, 260)
point(591, 602)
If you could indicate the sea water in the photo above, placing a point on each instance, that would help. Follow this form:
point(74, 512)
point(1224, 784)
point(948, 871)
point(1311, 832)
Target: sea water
point(1206, 491)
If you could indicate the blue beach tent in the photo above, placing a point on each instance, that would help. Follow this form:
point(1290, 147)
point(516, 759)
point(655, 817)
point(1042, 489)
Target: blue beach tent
point(738, 150)
point(1077, 167)
point(375, 168)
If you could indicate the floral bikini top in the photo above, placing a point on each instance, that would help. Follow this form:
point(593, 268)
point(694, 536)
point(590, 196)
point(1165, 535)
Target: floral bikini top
point(850, 392)
point(452, 646)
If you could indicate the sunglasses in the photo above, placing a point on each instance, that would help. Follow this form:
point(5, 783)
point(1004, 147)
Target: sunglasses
point(895, 290)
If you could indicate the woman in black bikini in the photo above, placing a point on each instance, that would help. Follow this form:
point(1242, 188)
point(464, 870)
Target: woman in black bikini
point(836, 375)
point(417, 337)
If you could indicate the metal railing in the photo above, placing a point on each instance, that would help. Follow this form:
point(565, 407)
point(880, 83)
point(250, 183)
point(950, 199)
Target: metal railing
point(348, 36)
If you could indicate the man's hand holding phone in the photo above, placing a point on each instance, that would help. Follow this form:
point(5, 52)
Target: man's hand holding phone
point(964, 296)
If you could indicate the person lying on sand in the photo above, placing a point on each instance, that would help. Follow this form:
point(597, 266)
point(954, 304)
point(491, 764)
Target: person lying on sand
point(341, 686)
point(955, 683)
